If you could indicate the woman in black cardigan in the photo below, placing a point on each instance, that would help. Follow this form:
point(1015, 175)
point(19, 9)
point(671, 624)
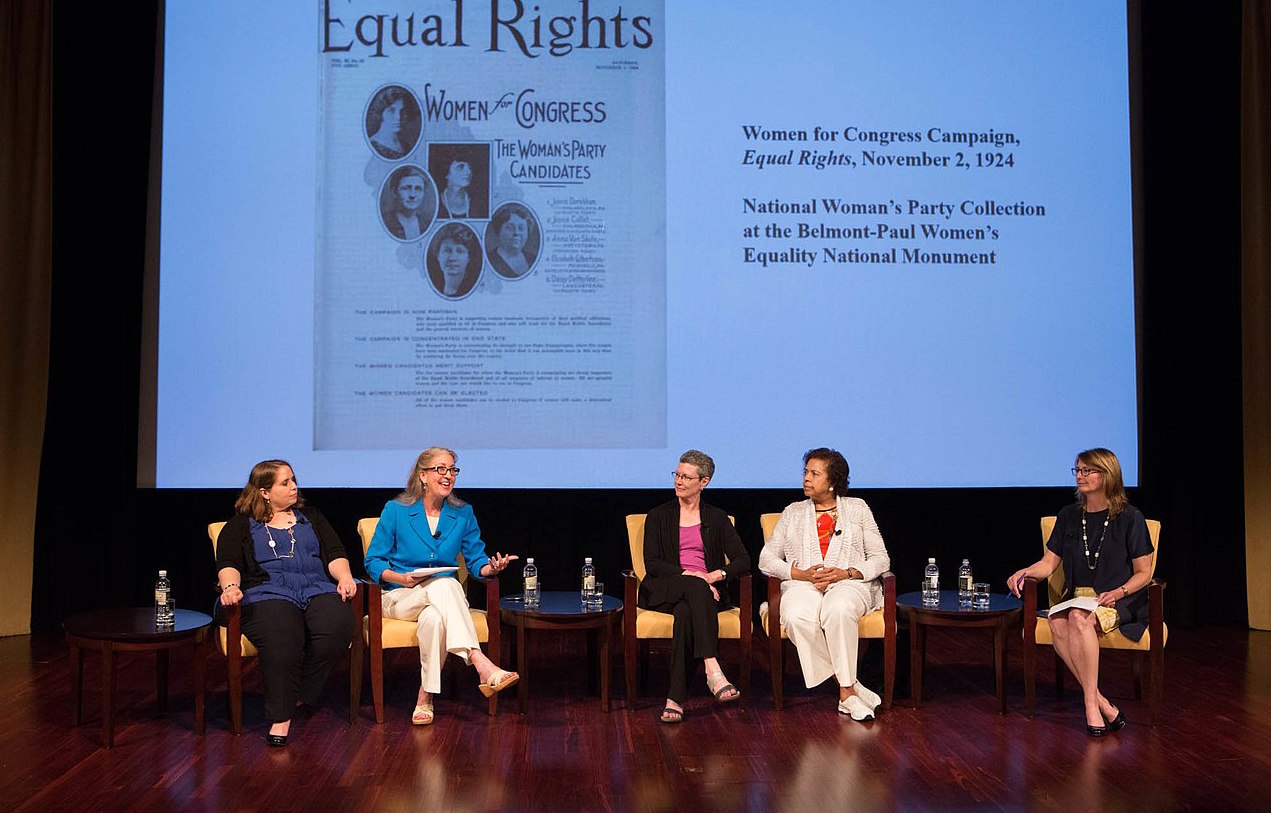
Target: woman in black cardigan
point(285, 564)
point(685, 545)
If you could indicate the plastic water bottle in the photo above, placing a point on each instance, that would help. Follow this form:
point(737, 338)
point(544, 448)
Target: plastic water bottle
point(163, 614)
point(965, 583)
point(531, 583)
point(589, 580)
point(931, 584)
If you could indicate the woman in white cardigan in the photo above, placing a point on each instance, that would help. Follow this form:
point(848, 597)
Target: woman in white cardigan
point(829, 554)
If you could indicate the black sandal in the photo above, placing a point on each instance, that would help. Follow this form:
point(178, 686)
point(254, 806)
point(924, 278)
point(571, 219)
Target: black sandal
point(672, 715)
point(722, 691)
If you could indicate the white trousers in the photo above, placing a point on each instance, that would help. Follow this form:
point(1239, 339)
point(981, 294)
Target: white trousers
point(440, 612)
point(824, 628)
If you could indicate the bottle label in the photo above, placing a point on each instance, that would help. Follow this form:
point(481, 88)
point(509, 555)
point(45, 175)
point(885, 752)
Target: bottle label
point(531, 583)
point(589, 583)
point(161, 597)
point(964, 584)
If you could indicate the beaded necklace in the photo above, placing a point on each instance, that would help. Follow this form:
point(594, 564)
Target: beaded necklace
point(1086, 545)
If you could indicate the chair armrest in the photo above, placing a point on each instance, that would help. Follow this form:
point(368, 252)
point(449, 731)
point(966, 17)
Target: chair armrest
point(374, 613)
point(630, 589)
point(491, 591)
point(1156, 609)
point(889, 602)
point(1028, 592)
point(357, 606)
point(493, 620)
point(234, 631)
point(746, 600)
point(774, 605)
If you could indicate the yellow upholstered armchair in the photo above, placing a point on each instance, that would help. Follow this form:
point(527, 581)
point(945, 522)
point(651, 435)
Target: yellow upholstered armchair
point(235, 646)
point(382, 633)
point(639, 626)
point(1149, 648)
point(878, 624)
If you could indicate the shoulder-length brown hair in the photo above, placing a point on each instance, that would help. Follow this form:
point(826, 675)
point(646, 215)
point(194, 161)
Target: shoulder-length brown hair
point(1113, 485)
point(414, 491)
point(264, 475)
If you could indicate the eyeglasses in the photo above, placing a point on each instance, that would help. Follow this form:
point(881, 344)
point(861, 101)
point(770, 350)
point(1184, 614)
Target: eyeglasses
point(679, 476)
point(1084, 472)
point(453, 471)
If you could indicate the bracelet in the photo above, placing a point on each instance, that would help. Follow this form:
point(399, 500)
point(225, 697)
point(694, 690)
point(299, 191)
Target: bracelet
point(229, 587)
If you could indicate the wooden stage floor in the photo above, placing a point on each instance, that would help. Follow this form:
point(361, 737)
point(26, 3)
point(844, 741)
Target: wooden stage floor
point(1212, 751)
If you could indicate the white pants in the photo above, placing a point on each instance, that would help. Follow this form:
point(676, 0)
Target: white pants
point(824, 627)
point(440, 611)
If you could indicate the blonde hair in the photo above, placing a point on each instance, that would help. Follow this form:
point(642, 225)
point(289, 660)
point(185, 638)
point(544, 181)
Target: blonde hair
point(264, 475)
point(1107, 464)
point(414, 491)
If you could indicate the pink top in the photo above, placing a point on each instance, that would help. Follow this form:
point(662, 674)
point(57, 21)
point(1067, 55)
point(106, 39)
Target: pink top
point(692, 553)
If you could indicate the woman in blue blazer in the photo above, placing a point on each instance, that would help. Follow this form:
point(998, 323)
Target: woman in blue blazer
point(427, 526)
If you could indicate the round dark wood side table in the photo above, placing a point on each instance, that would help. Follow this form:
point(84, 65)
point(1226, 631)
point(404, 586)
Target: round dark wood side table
point(1003, 613)
point(562, 610)
point(132, 629)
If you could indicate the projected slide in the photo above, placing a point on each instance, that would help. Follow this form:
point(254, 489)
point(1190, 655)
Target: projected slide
point(485, 218)
point(573, 238)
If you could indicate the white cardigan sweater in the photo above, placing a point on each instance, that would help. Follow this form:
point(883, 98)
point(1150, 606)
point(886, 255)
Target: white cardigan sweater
point(860, 545)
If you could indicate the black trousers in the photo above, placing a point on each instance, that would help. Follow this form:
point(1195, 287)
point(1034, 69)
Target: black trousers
point(298, 648)
point(695, 631)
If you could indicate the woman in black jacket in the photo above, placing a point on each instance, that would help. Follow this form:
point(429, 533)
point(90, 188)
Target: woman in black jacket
point(685, 545)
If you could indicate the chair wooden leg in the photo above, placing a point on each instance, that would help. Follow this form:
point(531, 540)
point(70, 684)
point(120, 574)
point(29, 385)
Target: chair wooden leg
point(355, 683)
point(234, 676)
point(746, 643)
point(1030, 675)
point(630, 648)
point(1156, 682)
point(377, 679)
point(775, 665)
point(1059, 673)
point(643, 672)
point(889, 669)
point(1136, 665)
point(356, 654)
point(630, 642)
point(493, 709)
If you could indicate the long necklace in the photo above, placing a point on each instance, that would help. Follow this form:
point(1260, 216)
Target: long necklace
point(273, 546)
point(1086, 545)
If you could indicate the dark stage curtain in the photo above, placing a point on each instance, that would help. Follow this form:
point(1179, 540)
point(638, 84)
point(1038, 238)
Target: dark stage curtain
point(25, 285)
point(1255, 221)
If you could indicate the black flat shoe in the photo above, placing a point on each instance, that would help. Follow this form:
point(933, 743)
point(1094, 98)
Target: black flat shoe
point(1096, 730)
point(1118, 723)
point(276, 740)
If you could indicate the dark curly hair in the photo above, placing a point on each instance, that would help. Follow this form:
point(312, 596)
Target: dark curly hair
point(835, 462)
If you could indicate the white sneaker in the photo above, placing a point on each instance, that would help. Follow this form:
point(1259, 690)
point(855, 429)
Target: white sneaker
point(856, 708)
point(872, 700)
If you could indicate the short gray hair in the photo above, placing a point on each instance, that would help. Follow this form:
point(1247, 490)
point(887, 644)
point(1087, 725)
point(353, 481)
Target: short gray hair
point(705, 466)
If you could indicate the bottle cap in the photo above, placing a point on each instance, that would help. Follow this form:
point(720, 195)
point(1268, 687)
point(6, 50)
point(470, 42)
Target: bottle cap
point(529, 561)
point(587, 561)
point(931, 561)
point(163, 574)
